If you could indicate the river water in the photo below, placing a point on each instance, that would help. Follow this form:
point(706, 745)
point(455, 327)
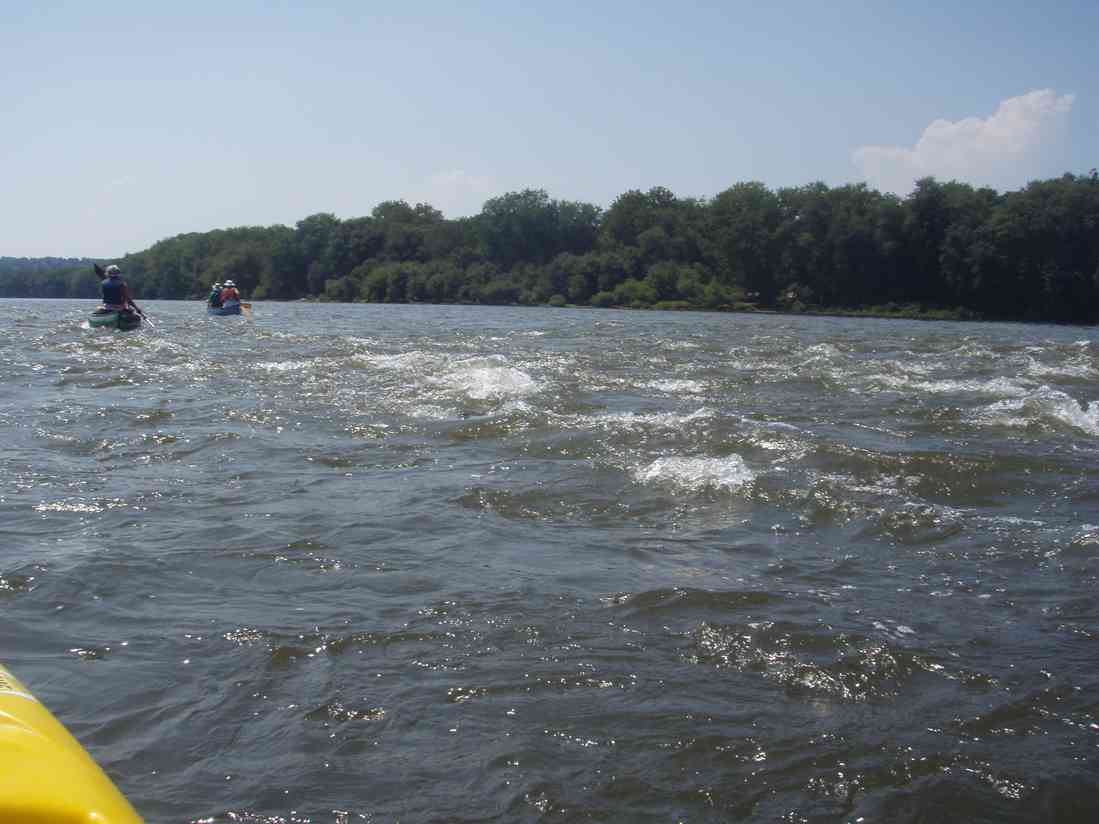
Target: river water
point(342, 563)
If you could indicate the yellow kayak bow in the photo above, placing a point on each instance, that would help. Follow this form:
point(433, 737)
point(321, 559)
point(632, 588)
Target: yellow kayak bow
point(46, 777)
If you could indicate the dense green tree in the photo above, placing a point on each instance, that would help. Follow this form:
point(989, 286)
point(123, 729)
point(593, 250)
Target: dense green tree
point(313, 236)
point(746, 218)
point(528, 226)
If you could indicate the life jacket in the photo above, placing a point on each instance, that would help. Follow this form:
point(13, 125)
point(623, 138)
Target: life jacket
point(230, 294)
point(215, 298)
point(113, 291)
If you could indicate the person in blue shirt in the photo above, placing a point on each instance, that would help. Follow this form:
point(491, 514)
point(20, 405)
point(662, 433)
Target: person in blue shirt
point(115, 291)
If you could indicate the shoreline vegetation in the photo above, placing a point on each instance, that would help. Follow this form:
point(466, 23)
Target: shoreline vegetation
point(906, 312)
point(947, 251)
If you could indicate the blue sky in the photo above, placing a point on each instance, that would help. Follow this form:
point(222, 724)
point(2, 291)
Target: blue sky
point(128, 122)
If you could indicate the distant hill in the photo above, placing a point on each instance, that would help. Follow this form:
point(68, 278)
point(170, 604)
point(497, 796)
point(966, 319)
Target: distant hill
point(37, 264)
point(47, 277)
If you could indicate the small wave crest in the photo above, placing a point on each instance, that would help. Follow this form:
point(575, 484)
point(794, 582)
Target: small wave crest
point(1076, 367)
point(1003, 387)
point(696, 474)
point(489, 381)
point(676, 387)
point(1045, 406)
point(808, 661)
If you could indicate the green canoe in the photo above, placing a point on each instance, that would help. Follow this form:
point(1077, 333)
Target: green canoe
point(114, 319)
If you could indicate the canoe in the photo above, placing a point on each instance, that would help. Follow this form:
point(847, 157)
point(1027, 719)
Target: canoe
point(227, 309)
point(114, 319)
point(45, 775)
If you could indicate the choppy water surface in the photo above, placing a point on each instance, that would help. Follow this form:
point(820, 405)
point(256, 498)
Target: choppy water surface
point(415, 563)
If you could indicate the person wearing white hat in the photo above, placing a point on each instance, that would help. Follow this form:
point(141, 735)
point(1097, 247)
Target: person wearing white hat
point(229, 293)
point(214, 298)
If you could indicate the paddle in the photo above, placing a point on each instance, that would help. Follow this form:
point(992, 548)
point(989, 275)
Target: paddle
point(144, 317)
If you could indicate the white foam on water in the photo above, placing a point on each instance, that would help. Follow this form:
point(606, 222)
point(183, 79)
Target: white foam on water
point(912, 367)
point(969, 350)
point(488, 381)
point(822, 350)
point(286, 366)
point(778, 437)
point(1075, 368)
point(695, 474)
point(676, 387)
point(433, 412)
point(773, 445)
point(779, 425)
point(660, 420)
point(896, 630)
point(414, 361)
point(1071, 412)
point(361, 360)
point(1003, 387)
point(1010, 520)
point(887, 486)
point(1088, 535)
point(162, 344)
point(516, 407)
point(56, 436)
point(1044, 405)
point(1003, 413)
point(274, 333)
point(354, 339)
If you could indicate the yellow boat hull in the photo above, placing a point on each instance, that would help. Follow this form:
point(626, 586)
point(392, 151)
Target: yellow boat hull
point(46, 777)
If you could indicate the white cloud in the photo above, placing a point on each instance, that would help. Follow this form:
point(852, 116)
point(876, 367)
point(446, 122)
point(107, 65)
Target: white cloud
point(455, 193)
point(1001, 150)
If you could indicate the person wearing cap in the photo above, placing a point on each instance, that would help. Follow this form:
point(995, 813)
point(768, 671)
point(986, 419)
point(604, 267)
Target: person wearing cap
point(115, 291)
point(229, 293)
point(214, 298)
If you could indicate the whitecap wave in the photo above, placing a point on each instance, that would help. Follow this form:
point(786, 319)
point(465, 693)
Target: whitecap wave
point(1075, 368)
point(285, 366)
point(696, 474)
point(675, 387)
point(488, 380)
point(1046, 405)
point(657, 420)
point(1003, 387)
point(414, 361)
point(822, 350)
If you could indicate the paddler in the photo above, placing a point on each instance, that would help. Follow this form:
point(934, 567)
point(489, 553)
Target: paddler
point(229, 293)
point(115, 291)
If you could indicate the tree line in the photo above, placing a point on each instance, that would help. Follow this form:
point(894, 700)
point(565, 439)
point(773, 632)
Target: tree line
point(946, 248)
